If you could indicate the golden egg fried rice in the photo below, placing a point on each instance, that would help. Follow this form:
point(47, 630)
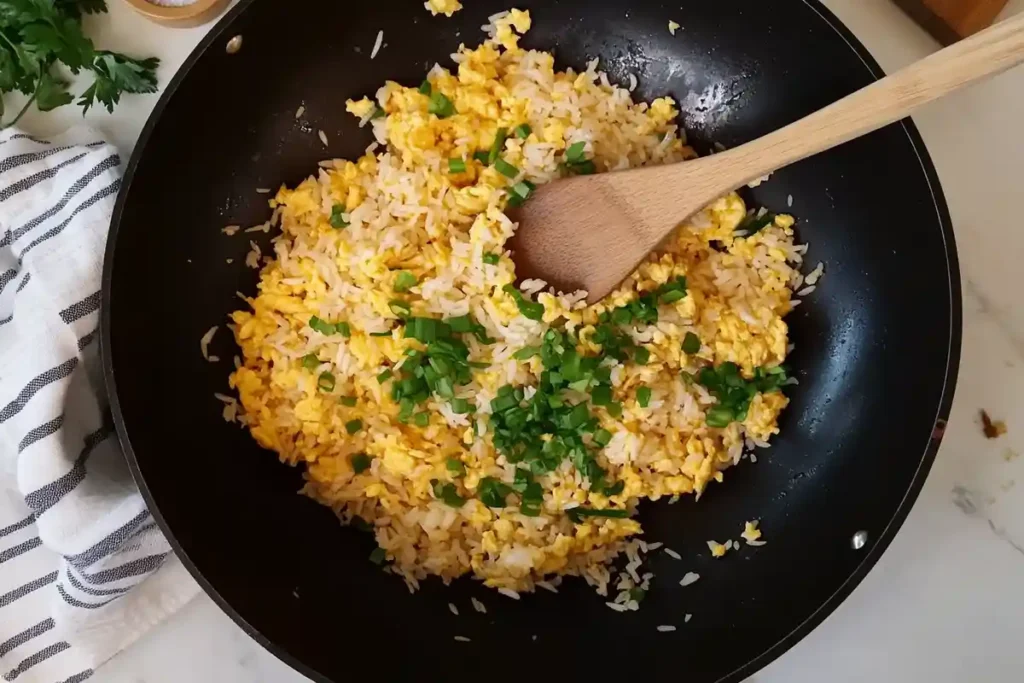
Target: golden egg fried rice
point(481, 429)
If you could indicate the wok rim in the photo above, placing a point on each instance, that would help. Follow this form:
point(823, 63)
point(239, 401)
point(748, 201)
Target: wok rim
point(799, 632)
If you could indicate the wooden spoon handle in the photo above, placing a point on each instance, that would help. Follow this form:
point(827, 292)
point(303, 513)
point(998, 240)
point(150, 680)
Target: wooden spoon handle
point(883, 102)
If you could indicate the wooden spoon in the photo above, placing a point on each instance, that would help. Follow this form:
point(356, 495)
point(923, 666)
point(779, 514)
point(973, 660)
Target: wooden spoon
point(591, 232)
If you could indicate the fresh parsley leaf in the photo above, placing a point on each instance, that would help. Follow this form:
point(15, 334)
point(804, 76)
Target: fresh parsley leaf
point(52, 93)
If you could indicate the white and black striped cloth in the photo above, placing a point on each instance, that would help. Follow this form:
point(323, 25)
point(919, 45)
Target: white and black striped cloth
point(84, 570)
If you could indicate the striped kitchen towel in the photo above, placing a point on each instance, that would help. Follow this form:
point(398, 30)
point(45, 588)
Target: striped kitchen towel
point(84, 570)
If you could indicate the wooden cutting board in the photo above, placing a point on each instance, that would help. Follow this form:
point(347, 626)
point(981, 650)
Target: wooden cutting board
point(950, 20)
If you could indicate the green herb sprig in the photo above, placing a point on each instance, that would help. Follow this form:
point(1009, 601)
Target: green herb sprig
point(38, 35)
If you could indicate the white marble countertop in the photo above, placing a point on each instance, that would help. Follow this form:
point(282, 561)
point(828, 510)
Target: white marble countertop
point(946, 601)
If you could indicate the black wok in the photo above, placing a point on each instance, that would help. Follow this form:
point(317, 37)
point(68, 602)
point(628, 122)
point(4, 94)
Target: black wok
point(877, 345)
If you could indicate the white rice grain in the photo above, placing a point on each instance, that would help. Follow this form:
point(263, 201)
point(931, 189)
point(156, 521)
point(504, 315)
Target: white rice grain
point(673, 554)
point(687, 618)
point(377, 43)
point(509, 593)
point(689, 578)
point(789, 200)
point(462, 639)
point(323, 137)
point(299, 112)
point(263, 190)
point(632, 82)
point(806, 290)
point(617, 607)
point(204, 345)
point(230, 229)
point(666, 628)
point(478, 606)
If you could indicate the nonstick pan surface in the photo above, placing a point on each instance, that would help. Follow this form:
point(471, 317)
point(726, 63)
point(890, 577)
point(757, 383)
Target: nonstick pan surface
point(877, 345)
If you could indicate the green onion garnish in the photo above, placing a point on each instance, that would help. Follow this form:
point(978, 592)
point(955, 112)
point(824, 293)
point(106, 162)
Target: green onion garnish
point(577, 514)
point(492, 259)
point(448, 493)
point(456, 466)
point(523, 189)
point(405, 281)
point(720, 416)
point(574, 153)
point(614, 409)
point(523, 131)
point(353, 426)
point(378, 556)
point(493, 492)
point(322, 327)
point(310, 361)
point(349, 401)
point(461, 406)
point(360, 462)
point(602, 437)
point(399, 308)
point(456, 166)
point(754, 222)
point(425, 88)
point(498, 145)
point(506, 169)
point(381, 334)
point(337, 217)
point(384, 376)
point(481, 156)
point(325, 382)
point(601, 395)
point(530, 309)
point(440, 105)
point(377, 113)
point(421, 419)
point(643, 396)
point(691, 343)
point(526, 353)
point(616, 489)
point(344, 329)
point(641, 355)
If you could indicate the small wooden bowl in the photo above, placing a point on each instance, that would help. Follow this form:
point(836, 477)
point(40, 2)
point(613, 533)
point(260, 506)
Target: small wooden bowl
point(182, 16)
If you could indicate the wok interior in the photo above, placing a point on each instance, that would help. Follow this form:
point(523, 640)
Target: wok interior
point(876, 345)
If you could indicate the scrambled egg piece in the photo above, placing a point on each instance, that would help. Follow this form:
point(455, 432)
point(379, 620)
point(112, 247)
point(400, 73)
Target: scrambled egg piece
point(418, 229)
point(672, 27)
point(445, 7)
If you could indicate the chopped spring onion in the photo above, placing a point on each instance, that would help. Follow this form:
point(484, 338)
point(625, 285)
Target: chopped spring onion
point(493, 492)
point(456, 166)
point(574, 153)
point(404, 281)
point(615, 489)
point(577, 514)
point(526, 353)
point(532, 310)
point(691, 343)
point(399, 308)
point(643, 396)
point(381, 334)
point(523, 131)
point(344, 329)
point(754, 222)
point(499, 144)
point(506, 169)
point(421, 419)
point(492, 259)
point(325, 382)
point(448, 493)
point(440, 105)
point(310, 361)
point(360, 462)
point(481, 156)
point(456, 466)
point(641, 355)
point(602, 437)
point(338, 217)
point(353, 426)
point(384, 376)
point(322, 327)
point(349, 401)
point(425, 88)
point(378, 556)
point(461, 406)
point(377, 113)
